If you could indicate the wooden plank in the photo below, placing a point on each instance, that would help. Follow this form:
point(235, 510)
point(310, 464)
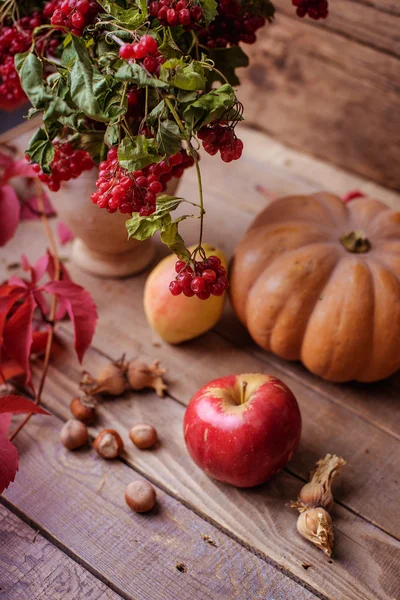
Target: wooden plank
point(32, 568)
point(327, 95)
point(372, 23)
point(78, 499)
point(258, 516)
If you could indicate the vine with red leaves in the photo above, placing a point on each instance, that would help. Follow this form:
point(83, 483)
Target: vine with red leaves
point(30, 307)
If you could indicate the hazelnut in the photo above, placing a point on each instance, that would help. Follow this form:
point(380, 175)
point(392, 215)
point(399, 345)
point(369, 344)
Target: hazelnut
point(143, 435)
point(74, 434)
point(82, 412)
point(140, 496)
point(108, 443)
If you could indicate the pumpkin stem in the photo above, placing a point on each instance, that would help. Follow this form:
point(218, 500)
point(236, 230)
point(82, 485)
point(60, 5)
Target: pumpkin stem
point(356, 241)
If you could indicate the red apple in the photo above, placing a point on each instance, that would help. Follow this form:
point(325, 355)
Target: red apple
point(242, 429)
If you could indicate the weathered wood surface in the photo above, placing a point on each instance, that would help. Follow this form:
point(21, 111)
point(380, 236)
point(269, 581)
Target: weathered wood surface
point(77, 498)
point(31, 567)
point(367, 553)
point(331, 88)
point(257, 517)
point(374, 23)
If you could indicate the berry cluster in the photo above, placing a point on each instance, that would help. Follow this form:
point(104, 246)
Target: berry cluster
point(208, 277)
point(14, 39)
point(217, 136)
point(234, 23)
point(145, 50)
point(67, 164)
point(72, 14)
point(177, 12)
point(316, 9)
point(118, 189)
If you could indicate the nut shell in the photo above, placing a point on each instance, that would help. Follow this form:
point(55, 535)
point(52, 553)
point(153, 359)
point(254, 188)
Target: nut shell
point(81, 411)
point(140, 496)
point(143, 435)
point(108, 444)
point(74, 434)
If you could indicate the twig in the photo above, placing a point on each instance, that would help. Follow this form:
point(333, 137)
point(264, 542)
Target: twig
point(53, 307)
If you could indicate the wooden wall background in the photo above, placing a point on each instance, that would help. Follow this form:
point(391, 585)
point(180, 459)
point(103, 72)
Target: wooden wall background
point(331, 88)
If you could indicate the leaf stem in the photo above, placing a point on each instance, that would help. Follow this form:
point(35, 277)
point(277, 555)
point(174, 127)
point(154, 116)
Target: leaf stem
point(53, 307)
point(193, 154)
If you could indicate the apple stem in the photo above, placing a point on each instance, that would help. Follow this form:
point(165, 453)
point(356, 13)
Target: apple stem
point(243, 392)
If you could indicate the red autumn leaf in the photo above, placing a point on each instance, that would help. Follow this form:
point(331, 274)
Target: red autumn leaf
point(9, 213)
point(81, 310)
point(5, 422)
point(8, 452)
point(18, 405)
point(8, 462)
point(39, 342)
point(38, 270)
point(17, 334)
point(65, 235)
point(9, 369)
point(30, 208)
point(18, 168)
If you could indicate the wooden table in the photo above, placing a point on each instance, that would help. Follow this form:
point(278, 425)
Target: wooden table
point(65, 530)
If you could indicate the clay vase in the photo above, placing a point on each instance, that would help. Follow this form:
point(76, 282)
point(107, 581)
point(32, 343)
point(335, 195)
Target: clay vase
point(101, 244)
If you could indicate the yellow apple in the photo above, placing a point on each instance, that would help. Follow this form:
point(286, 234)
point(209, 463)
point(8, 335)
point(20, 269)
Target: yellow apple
point(178, 318)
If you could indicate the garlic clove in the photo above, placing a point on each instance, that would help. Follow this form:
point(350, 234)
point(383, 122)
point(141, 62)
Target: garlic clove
point(317, 492)
point(315, 524)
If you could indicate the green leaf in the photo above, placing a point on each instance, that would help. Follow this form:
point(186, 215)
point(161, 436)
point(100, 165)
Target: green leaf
point(131, 17)
point(30, 72)
point(171, 238)
point(136, 74)
point(210, 9)
point(227, 60)
point(59, 110)
point(141, 228)
point(188, 77)
point(211, 107)
point(111, 135)
point(137, 153)
point(82, 81)
point(87, 85)
point(166, 204)
point(169, 47)
point(41, 150)
point(168, 138)
point(157, 113)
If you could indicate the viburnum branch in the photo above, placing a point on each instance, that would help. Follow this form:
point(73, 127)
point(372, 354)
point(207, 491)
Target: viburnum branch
point(193, 154)
point(53, 307)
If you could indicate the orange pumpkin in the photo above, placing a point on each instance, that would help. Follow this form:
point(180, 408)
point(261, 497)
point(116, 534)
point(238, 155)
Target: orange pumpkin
point(318, 280)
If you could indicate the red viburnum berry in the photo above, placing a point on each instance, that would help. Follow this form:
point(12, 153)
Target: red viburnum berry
point(207, 278)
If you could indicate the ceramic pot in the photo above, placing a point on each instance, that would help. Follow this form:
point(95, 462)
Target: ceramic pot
point(101, 244)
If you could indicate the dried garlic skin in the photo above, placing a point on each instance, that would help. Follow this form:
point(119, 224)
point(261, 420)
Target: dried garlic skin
point(315, 524)
point(317, 492)
point(315, 500)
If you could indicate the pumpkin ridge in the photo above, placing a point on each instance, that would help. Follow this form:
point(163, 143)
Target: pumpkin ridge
point(318, 296)
point(365, 366)
point(272, 265)
point(385, 367)
point(339, 348)
point(327, 199)
point(277, 257)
